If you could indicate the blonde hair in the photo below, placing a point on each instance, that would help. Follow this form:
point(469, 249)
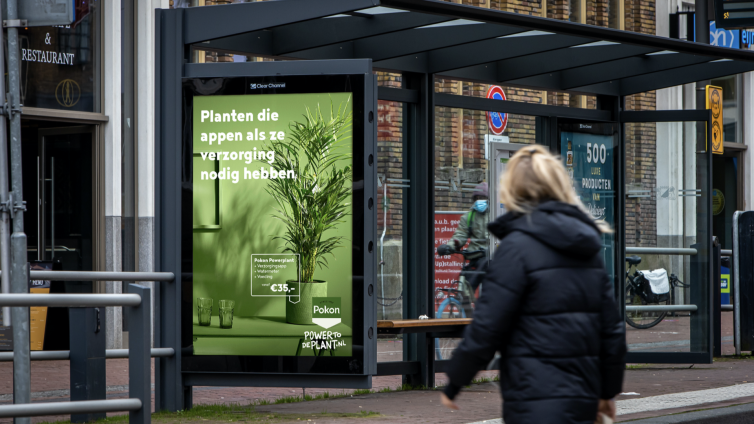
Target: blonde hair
point(533, 176)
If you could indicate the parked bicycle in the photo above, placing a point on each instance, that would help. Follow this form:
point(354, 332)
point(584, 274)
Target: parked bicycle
point(639, 293)
point(458, 302)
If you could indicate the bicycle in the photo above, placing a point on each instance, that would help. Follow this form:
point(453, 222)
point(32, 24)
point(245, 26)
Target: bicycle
point(636, 295)
point(458, 303)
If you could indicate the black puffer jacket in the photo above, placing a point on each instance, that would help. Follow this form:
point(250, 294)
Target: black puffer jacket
point(548, 307)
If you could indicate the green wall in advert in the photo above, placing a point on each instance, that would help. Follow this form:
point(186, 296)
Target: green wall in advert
point(272, 225)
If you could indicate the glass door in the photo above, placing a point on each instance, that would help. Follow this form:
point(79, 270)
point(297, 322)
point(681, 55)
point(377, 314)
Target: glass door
point(667, 240)
point(64, 197)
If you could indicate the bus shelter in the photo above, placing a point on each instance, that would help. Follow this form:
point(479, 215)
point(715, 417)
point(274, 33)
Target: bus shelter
point(416, 80)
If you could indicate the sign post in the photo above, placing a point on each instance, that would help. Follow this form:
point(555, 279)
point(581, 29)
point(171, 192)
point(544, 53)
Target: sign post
point(20, 14)
point(715, 104)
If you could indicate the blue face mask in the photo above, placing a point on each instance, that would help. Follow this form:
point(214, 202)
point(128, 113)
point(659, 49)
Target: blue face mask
point(480, 206)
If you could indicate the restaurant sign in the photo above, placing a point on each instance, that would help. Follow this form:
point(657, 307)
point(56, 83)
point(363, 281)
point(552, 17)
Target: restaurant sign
point(59, 63)
point(45, 12)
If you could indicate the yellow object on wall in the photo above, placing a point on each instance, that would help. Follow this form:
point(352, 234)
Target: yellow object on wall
point(715, 104)
point(38, 318)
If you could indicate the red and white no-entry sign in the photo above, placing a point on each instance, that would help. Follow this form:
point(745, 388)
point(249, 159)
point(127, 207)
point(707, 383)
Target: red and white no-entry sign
point(495, 120)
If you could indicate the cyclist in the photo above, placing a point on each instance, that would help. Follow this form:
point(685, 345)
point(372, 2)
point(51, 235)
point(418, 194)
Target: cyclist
point(472, 228)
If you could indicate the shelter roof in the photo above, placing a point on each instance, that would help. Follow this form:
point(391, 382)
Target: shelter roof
point(461, 42)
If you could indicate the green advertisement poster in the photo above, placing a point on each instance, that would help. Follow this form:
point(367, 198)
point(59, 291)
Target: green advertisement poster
point(272, 225)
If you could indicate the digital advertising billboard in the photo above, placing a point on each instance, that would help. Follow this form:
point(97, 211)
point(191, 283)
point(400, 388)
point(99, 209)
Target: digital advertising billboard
point(276, 224)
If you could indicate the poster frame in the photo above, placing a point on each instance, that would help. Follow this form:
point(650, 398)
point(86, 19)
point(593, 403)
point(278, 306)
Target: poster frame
point(171, 214)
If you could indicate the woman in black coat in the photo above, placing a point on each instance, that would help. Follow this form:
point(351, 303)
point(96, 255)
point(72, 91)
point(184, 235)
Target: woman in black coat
point(547, 304)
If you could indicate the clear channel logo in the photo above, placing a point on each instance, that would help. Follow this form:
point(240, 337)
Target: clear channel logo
point(255, 86)
point(326, 311)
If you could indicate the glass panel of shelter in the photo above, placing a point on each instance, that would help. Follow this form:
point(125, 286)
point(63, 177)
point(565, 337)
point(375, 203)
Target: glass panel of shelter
point(392, 188)
point(391, 191)
point(463, 169)
point(666, 200)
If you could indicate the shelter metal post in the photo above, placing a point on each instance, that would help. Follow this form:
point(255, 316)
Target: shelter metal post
point(19, 267)
point(620, 210)
point(420, 229)
point(170, 59)
point(735, 284)
point(716, 311)
point(5, 212)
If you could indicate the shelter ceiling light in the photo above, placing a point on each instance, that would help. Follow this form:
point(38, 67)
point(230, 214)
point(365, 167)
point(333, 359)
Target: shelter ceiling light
point(527, 34)
point(595, 44)
point(661, 52)
point(456, 22)
point(380, 10)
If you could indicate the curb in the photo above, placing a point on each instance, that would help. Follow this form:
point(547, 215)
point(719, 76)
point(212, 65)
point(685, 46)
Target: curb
point(739, 414)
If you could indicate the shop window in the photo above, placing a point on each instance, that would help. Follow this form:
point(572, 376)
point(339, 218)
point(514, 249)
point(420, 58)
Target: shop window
point(60, 65)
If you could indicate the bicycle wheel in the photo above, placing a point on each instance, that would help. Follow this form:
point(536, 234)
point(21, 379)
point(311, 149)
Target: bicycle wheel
point(642, 320)
point(449, 308)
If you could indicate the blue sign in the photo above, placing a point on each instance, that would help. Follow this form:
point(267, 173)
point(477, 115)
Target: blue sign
point(725, 37)
point(724, 285)
point(747, 38)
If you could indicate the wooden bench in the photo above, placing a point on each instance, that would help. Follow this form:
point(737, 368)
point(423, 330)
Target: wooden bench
point(437, 326)
point(434, 328)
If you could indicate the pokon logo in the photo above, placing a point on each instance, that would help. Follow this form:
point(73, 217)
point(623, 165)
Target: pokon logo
point(326, 311)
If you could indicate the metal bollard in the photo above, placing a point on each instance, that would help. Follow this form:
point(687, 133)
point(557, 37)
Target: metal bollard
point(87, 357)
point(139, 358)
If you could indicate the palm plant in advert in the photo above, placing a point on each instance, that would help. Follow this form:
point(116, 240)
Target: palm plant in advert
point(316, 201)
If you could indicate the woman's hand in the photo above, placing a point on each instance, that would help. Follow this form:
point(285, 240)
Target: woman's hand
point(449, 403)
point(607, 407)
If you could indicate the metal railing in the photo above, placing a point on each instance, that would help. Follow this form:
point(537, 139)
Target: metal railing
point(139, 362)
point(61, 355)
point(69, 300)
point(661, 250)
point(65, 408)
point(100, 276)
point(661, 308)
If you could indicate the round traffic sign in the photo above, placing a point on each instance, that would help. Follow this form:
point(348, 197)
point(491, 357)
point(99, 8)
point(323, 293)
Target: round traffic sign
point(495, 120)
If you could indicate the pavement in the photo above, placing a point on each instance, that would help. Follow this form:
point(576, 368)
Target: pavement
point(650, 390)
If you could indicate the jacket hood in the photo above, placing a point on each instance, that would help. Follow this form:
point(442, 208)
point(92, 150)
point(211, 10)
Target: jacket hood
point(559, 225)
